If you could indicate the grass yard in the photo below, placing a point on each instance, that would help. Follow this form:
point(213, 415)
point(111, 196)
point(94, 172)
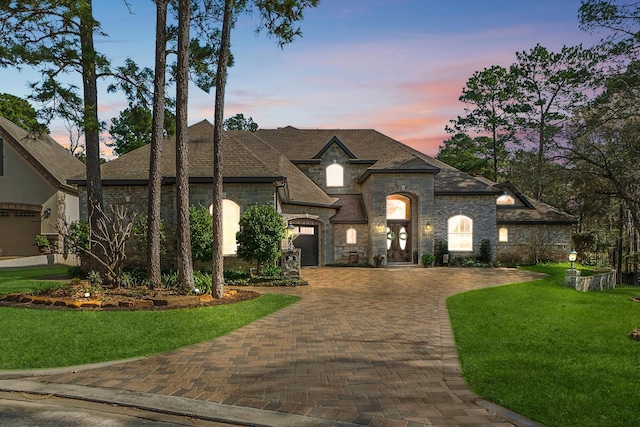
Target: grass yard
point(37, 338)
point(557, 356)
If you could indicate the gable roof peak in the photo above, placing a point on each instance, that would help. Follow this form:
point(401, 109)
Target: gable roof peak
point(334, 140)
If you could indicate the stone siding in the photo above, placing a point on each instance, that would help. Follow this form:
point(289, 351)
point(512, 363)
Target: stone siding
point(351, 253)
point(552, 243)
point(480, 208)
point(335, 155)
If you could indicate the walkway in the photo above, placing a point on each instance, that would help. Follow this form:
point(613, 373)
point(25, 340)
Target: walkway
point(363, 346)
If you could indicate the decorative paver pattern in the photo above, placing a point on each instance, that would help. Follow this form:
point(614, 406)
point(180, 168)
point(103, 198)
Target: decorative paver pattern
point(366, 346)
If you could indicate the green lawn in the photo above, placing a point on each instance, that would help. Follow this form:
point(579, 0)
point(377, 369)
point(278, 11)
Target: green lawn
point(557, 356)
point(37, 338)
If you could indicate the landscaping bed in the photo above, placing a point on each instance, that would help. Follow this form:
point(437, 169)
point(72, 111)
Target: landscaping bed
point(81, 296)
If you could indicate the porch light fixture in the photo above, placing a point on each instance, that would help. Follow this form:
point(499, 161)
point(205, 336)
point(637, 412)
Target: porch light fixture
point(572, 258)
point(290, 228)
point(428, 228)
point(47, 212)
point(380, 227)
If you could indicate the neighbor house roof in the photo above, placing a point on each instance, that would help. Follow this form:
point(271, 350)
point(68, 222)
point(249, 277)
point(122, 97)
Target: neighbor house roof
point(50, 159)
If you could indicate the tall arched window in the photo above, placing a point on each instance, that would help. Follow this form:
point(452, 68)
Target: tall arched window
point(352, 236)
point(503, 235)
point(335, 175)
point(398, 207)
point(460, 233)
point(230, 226)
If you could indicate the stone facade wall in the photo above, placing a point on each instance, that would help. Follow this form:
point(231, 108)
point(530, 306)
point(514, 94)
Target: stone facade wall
point(135, 198)
point(480, 208)
point(351, 253)
point(311, 215)
point(335, 155)
point(553, 242)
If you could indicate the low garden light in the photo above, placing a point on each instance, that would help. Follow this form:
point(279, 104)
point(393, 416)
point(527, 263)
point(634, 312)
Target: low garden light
point(573, 255)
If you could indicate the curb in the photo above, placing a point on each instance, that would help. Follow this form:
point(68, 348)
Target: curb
point(507, 414)
point(170, 405)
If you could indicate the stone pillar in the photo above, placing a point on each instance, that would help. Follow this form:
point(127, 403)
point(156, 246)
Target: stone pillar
point(290, 263)
point(571, 278)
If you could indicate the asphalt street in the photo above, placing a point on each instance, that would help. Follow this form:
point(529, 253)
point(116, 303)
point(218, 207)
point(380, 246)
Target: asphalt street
point(25, 410)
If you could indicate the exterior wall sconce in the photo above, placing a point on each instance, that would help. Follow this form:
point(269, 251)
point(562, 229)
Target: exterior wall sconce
point(47, 213)
point(290, 228)
point(573, 255)
point(380, 227)
point(428, 228)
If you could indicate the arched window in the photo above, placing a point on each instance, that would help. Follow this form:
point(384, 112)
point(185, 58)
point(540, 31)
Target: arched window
point(503, 235)
point(460, 233)
point(505, 199)
point(230, 226)
point(335, 175)
point(398, 207)
point(352, 236)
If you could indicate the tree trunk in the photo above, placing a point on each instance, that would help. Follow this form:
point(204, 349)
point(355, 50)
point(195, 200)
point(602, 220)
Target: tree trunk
point(90, 118)
point(217, 285)
point(155, 178)
point(185, 265)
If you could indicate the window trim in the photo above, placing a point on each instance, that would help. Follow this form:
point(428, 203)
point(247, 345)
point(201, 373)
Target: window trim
point(333, 179)
point(463, 240)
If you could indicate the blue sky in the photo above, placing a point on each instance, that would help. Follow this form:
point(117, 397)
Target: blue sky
point(397, 66)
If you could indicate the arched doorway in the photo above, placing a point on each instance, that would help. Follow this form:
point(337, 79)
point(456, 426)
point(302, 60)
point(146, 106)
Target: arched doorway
point(398, 228)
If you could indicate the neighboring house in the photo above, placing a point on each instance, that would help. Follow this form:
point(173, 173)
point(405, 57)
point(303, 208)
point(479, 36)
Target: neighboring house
point(34, 194)
point(350, 194)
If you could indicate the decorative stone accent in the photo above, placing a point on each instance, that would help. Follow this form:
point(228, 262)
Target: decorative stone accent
point(571, 278)
point(290, 263)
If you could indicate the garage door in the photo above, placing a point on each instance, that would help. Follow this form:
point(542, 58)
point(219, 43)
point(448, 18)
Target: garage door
point(18, 231)
point(306, 238)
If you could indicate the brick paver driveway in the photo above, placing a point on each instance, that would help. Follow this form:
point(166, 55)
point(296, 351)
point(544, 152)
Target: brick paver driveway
point(367, 346)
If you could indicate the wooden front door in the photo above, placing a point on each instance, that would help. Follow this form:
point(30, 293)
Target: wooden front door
point(399, 241)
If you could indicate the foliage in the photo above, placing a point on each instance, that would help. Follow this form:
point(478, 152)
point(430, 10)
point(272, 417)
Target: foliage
point(538, 245)
point(490, 97)
point(132, 129)
point(619, 18)
point(238, 122)
point(41, 240)
point(110, 235)
point(441, 248)
point(271, 270)
point(236, 277)
point(20, 112)
point(486, 252)
point(201, 230)
point(77, 236)
point(94, 278)
point(202, 282)
point(466, 154)
point(427, 259)
point(100, 336)
point(139, 231)
point(516, 355)
point(261, 229)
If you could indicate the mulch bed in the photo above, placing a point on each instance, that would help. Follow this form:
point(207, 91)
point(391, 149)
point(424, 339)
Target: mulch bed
point(120, 299)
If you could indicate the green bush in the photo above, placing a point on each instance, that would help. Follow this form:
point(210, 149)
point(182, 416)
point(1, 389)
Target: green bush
point(486, 253)
point(201, 229)
point(427, 259)
point(441, 249)
point(202, 282)
point(261, 229)
point(79, 237)
point(139, 231)
point(41, 240)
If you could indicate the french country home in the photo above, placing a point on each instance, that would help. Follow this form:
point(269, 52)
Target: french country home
point(350, 195)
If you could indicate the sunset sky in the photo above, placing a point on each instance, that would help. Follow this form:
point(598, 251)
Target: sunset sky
point(397, 66)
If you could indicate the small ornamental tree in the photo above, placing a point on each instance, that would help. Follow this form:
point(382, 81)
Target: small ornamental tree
point(261, 229)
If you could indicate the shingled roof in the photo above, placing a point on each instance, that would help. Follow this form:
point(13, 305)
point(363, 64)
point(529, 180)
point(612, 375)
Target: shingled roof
point(50, 159)
point(385, 154)
point(528, 210)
